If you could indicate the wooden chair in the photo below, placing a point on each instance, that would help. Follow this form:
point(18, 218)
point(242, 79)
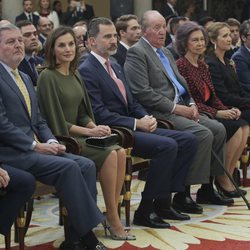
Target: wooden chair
point(24, 217)
point(244, 163)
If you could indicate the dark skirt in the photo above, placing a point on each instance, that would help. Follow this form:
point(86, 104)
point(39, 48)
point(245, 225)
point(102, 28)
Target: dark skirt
point(232, 126)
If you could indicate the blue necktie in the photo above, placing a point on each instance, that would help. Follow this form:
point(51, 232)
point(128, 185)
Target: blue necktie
point(167, 66)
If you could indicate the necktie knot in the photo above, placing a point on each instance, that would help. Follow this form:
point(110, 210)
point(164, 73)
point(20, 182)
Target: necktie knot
point(15, 72)
point(32, 60)
point(160, 52)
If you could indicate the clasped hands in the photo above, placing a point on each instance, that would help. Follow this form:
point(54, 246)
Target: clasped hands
point(4, 178)
point(50, 148)
point(229, 114)
point(147, 123)
point(188, 112)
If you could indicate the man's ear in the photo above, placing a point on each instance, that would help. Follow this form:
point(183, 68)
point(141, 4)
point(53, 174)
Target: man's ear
point(92, 41)
point(243, 38)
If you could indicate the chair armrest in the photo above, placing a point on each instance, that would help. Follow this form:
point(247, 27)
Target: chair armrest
point(72, 145)
point(126, 136)
point(165, 124)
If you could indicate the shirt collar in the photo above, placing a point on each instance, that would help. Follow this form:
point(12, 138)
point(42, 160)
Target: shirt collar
point(99, 58)
point(154, 48)
point(248, 49)
point(8, 69)
point(124, 45)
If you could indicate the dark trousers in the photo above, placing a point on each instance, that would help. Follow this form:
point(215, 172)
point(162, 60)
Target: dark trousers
point(19, 190)
point(74, 178)
point(171, 153)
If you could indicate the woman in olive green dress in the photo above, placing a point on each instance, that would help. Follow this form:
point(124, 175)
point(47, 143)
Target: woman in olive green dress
point(65, 104)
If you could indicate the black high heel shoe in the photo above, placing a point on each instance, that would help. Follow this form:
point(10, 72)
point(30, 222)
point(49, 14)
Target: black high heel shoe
point(231, 194)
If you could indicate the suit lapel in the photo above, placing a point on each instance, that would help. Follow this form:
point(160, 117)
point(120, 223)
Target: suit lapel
point(7, 79)
point(107, 78)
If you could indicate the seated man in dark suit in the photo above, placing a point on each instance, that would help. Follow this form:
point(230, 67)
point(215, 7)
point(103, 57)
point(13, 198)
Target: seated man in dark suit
point(27, 13)
point(129, 32)
point(31, 43)
point(155, 81)
point(171, 152)
point(26, 143)
point(16, 187)
point(242, 57)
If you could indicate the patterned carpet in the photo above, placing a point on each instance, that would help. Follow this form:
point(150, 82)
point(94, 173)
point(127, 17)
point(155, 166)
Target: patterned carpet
point(219, 227)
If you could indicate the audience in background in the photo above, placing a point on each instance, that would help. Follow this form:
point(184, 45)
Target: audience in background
point(129, 31)
point(77, 11)
point(206, 21)
point(234, 26)
point(57, 7)
point(44, 28)
point(242, 57)
point(168, 8)
point(81, 34)
point(174, 24)
point(31, 44)
point(28, 13)
point(45, 10)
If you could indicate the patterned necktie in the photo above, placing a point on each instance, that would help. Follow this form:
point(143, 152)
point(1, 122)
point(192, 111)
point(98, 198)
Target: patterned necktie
point(22, 89)
point(171, 74)
point(30, 17)
point(33, 67)
point(118, 82)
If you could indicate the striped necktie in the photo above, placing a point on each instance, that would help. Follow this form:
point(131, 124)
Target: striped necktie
point(22, 89)
point(118, 82)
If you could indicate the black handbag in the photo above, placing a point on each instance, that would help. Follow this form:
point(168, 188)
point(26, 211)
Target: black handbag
point(103, 141)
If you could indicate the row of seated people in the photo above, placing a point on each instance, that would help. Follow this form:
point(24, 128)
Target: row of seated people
point(64, 102)
point(77, 10)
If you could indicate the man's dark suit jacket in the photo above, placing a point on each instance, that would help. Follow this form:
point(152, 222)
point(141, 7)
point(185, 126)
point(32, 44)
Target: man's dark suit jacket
point(25, 67)
point(167, 11)
point(108, 103)
point(121, 54)
point(17, 128)
point(242, 61)
point(35, 18)
point(72, 17)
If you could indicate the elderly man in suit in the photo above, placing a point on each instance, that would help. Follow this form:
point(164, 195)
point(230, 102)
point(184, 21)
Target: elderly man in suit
point(242, 57)
point(26, 143)
point(129, 32)
point(155, 81)
point(31, 44)
point(171, 152)
point(16, 187)
point(27, 13)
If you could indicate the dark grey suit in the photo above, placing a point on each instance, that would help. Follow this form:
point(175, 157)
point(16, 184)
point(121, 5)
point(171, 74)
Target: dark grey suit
point(68, 173)
point(151, 85)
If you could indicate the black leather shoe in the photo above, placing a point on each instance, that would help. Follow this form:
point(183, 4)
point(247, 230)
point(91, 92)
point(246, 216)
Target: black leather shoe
point(99, 246)
point(171, 214)
point(150, 220)
point(212, 197)
point(231, 194)
point(186, 205)
point(71, 246)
